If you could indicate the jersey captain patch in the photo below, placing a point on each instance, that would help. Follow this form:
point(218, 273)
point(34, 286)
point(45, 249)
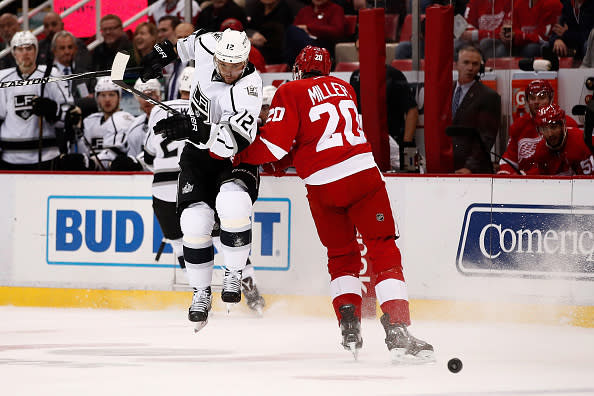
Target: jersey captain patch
point(23, 106)
point(252, 90)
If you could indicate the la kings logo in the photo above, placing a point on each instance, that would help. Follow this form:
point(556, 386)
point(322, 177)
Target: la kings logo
point(201, 104)
point(23, 106)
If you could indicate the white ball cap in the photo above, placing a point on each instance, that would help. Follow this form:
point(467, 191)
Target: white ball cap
point(185, 80)
point(23, 38)
point(152, 85)
point(104, 84)
point(267, 94)
point(233, 47)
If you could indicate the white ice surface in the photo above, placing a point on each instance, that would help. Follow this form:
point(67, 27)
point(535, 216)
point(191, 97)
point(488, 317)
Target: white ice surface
point(108, 352)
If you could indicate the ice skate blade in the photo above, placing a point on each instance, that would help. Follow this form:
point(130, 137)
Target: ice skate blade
point(353, 348)
point(399, 356)
point(199, 326)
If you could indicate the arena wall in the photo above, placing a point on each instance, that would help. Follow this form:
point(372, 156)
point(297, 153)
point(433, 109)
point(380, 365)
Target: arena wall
point(473, 247)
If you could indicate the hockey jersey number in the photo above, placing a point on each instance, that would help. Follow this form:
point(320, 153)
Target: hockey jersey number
point(331, 137)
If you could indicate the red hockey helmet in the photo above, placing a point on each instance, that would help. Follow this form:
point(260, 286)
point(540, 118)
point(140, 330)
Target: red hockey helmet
point(312, 60)
point(536, 87)
point(551, 114)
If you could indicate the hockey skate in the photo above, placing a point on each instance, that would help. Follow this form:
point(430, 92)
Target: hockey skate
point(231, 293)
point(201, 304)
point(254, 300)
point(403, 347)
point(350, 327)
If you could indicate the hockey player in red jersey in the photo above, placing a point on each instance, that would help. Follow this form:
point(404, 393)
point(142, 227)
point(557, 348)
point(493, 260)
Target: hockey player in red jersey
point(523, 136)
point(562, 150)
point(314, 119)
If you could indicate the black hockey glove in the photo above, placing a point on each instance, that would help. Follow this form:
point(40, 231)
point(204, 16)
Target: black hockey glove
point(180, 127)
point(45, 107)
point(154, 62)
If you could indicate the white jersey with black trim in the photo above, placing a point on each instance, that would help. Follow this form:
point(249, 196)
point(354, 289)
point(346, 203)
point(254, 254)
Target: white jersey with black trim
point(107, 134)
point(19, 132)
point(136, 135)
point(160, 9)
point(231, 109)
point(163, 155)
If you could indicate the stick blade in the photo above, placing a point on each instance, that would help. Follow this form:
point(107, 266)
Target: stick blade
point(118, 68)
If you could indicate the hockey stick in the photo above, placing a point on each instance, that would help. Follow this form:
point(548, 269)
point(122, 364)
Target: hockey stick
point(117, 76)
point(50, 79)
point(161, 248)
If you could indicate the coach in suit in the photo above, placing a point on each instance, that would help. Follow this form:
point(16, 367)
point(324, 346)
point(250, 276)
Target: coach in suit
point(477, 106)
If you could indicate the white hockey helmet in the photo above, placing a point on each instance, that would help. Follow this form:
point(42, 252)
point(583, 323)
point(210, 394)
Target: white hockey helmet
point(104, 84)
point(233, 47)
point(22, 39)
point(152, 85)
point(185, 80)
point(267, 94)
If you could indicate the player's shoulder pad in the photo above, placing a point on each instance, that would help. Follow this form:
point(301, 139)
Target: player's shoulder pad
point(123, 116)
point(9, 74)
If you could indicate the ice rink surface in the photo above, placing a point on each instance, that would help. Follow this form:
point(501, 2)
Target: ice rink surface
point(47, 351)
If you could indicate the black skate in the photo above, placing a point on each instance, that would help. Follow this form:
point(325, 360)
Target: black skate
point(403, 347)
point(350, 327)
point(253, 298)
point(201, 304)
point(231, 287)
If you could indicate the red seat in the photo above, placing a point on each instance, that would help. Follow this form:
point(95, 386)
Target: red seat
point(406, 31)
point(346, 66)
point(506, 63)
point(277, 68)
point(350, 25)
point(390, 27)
point(565, 63)
point(405, 64)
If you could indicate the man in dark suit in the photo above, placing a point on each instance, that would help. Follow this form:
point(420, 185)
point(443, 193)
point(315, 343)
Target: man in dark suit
point(477, 106)
point(64, 50)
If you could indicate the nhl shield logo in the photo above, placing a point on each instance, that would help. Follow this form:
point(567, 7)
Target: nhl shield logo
point(379, 217)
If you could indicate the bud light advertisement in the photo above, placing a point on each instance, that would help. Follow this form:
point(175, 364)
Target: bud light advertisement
point(527, 241)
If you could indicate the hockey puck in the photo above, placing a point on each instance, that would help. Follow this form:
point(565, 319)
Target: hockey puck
point(455, 365)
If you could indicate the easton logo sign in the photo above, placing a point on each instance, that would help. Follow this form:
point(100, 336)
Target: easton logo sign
point(527, 241)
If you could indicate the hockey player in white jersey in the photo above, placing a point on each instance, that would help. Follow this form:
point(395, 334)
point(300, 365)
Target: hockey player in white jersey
point(224, 105)
point(105, 131)
point(162, 157)
point(138, 131)
point(22, 107)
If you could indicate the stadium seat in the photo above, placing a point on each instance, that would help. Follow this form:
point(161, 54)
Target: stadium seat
point(345, 52)
point(390, 27)
point(390, 52)
point(277, 68)
point(406, 31)
point(346, 66)
point(350, 25)
point(405, 64)
point(504, 63)
point(566, 63)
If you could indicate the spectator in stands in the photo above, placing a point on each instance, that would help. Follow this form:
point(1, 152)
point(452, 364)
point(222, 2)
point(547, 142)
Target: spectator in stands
point(64, 50)
point(176, 8)
point(562, 151)
point(166, 28)
point(531, 28)
point(114, 40)
point(266, 28)
point(477, 106)
point(570, 35)
point(320, 24)
point(52, 24)
point(9, 25)
point(485, 18)
point(255, 57)
point(523, 135)
point(145, 36)
point(213, 15)
point(183, 30)
point(402, 111)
